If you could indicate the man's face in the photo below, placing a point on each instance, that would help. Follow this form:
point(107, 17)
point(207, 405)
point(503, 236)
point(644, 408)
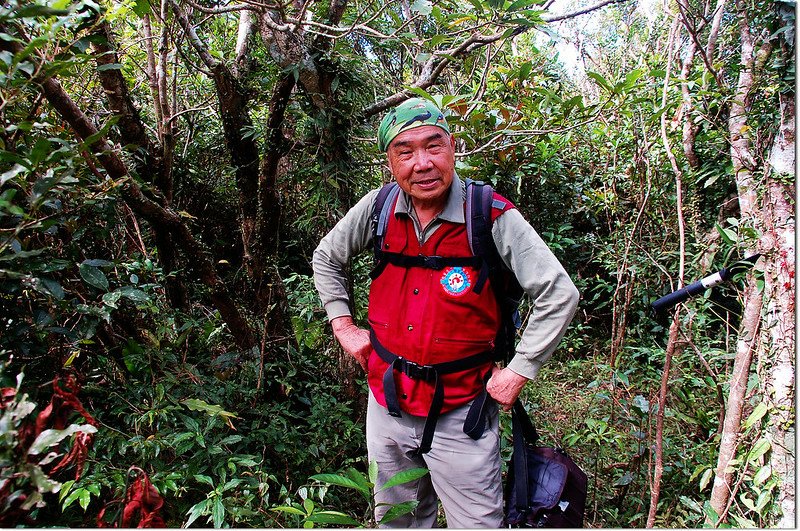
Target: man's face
point(422, 161)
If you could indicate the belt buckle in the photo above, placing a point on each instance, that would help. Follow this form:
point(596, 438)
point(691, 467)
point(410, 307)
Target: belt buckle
point(416, 371)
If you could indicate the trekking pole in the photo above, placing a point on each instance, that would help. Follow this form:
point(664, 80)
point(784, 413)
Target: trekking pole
point(699, 286)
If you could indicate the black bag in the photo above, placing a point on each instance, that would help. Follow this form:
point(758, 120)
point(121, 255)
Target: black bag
point(545, 488)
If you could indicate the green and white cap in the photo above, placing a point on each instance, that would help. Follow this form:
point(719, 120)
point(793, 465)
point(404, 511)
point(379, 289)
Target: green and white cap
point(412, 113)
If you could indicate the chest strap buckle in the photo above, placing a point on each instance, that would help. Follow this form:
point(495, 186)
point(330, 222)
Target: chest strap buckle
point(432, 262)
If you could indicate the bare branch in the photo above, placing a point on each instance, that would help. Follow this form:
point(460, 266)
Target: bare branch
point(246, 5)
point(583, 11)
point(199, 46)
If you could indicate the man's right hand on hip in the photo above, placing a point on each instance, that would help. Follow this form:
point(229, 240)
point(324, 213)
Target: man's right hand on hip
point(354, 340)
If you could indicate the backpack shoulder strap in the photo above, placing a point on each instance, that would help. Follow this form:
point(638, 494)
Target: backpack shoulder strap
point(483, 206)
point(381, 210)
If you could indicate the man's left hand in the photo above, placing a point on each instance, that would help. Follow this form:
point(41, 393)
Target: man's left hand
point(504, 386)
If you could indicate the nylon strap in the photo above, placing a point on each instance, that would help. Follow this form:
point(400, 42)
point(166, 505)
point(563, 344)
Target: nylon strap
point(428, 373)
point(524, 434)
point(436, 263)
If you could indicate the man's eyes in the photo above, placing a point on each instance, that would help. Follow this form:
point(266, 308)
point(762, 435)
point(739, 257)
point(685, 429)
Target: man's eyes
point(437, 147)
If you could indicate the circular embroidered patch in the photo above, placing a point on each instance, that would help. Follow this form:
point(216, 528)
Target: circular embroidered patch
point(455, 281)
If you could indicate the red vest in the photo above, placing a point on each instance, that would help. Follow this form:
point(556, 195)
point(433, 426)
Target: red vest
point(429, 316)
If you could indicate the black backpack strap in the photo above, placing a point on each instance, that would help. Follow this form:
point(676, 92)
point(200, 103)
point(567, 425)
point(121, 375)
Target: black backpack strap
point(478, 218)
point(479, 203)
point(523, 434)
point(430, 262)
point(381, 211)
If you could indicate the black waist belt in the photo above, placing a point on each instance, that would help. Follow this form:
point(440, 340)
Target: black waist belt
point(475, 421)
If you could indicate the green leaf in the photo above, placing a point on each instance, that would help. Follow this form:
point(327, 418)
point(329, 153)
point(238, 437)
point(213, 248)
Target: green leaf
point(218, 513)
point(763, 474)
point(711, 514)
point(706, 478)
point(692, 505)
point(405, 476)
point(93, 276)
point(333, 517)
point(760, 448)
point(141, 7)
point(134, 294)
point(744, 523)
point(97, 262)
point(84, 499)
point(398, 510)
point(10, 174)
point(336, 479)
point(759, 411)
point(359, 478)
point(231, 439)
point(197, 510)
point(522, 4)
point(747, 501)
point(204, 479)
point(195, 404)
point(288, 509)
point(728, 235)
point(50, 287)
point(112, 298)
point(39, 151)
point(372, 472)
point(525, 70)
point(600, 80)
point(626, 479)
point(65, 489)
point(49, 438)
point(109, 66)
point(423, 7)
point(72, 497)
point(641, 404)
point(308, 505)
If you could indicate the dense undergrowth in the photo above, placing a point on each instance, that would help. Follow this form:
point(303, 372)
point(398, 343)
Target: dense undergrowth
point(222, 451)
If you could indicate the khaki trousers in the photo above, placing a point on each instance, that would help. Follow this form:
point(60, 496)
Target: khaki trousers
point(464, 473)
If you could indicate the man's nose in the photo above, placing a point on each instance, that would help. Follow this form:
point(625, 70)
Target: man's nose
point(422, 160)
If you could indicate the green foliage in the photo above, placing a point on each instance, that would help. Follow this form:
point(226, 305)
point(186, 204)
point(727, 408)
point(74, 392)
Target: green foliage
point(364, 485)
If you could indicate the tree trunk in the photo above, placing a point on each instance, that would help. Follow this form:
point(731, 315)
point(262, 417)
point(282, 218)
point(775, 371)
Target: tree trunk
point(748, 339)
point(658, 469)
point(148, 163)
point(744, 164)
point(779, 380)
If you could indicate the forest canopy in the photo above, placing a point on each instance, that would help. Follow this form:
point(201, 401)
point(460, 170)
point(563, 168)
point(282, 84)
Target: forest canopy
point(167, 169)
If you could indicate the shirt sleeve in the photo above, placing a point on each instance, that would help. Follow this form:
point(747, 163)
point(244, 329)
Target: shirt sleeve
point(351, 235)
point(543, 278)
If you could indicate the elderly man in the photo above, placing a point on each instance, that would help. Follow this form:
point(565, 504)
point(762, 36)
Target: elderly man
point(433, 324)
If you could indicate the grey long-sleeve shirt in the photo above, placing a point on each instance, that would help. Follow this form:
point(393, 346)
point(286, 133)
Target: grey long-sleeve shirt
point(538, 271)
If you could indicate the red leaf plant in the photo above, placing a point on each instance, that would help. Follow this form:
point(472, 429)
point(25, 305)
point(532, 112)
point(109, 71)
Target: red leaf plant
point(142, 504)
point(56, 415)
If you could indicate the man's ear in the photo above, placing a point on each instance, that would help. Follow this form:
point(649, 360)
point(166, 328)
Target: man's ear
point(389, 163)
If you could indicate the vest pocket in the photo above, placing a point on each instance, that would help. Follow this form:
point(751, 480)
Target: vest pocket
point(378, 325)
point(461, 342)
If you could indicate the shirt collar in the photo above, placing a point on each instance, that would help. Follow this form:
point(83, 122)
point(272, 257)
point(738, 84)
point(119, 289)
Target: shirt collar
point(453, 209)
